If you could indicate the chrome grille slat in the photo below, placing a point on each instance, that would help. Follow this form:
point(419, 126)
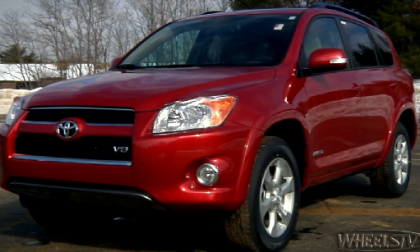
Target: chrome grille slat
point(72, 160)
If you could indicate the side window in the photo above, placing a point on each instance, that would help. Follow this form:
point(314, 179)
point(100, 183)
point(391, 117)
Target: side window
point(360, 46)
point(174, 51)
point(322, 33)
point(383, 47)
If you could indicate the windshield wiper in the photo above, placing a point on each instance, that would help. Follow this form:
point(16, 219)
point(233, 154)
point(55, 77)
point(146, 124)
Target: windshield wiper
point(132, 66)
point(174, 66)
point(128, 66)
point(195, 65)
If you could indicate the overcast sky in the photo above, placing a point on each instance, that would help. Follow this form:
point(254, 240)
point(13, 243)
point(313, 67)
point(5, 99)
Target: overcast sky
point(6, 5)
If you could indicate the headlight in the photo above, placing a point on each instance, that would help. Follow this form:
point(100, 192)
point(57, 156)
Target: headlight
point(199, 113)
point(14, 111)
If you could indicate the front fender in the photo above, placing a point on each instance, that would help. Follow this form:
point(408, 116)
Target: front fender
point(257, 133)
point(293, 114)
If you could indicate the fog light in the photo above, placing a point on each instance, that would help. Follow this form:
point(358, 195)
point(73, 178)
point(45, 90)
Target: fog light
point(207, 174)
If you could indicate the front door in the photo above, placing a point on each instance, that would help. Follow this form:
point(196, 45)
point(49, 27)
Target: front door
point(336, 107)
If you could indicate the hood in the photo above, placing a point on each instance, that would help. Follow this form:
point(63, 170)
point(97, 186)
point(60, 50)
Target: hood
point(146, 89)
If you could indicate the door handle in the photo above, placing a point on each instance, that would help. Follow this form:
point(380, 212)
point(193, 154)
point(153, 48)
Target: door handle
point(394, 85)
point(357, 88)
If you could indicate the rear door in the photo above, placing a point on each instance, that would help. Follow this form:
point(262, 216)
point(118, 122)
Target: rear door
point(368, 53)
point(335, 114)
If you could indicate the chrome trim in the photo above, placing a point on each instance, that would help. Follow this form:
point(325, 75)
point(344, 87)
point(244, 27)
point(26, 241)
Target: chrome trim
point(38, 122)
point(93, 108)
point(317, 153)
point(72, 160)
point(338, 61)
point(63, 129)
point(110, 124)
point(70, 188)
point(89, 124)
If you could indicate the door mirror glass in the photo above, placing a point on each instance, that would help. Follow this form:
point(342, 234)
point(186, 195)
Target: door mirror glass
point(327, 58)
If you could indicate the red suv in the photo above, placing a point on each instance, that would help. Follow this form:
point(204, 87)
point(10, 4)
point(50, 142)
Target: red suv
point(236, 112)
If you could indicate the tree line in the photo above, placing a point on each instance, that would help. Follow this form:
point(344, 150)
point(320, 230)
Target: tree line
point(94, 31)
point(68, 32)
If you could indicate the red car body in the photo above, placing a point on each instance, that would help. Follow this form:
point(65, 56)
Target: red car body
point(347, 116)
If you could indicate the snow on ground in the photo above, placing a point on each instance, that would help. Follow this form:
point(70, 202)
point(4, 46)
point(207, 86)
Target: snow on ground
point(33, 72)
point(7, 96)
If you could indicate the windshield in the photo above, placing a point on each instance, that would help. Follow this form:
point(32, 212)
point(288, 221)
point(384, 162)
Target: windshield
point(248, 40)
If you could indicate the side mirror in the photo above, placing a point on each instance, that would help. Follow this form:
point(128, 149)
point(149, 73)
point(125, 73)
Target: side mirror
point(115, 62)
point(329, 58)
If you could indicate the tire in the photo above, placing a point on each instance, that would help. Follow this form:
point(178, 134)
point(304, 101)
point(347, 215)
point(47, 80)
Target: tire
point(247, 227)
point(391, 179)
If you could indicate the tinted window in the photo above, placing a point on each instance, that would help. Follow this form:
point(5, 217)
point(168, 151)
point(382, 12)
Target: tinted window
point(249, 40)
point(383, 47)
point(360, 45)
point(173, 51)
point(322, 33)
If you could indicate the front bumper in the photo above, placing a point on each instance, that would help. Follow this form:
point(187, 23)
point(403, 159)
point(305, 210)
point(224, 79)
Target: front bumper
point(80, 193)
point(163, 166)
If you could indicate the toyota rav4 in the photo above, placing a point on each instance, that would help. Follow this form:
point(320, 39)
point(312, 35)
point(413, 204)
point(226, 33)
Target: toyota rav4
point(235, 111)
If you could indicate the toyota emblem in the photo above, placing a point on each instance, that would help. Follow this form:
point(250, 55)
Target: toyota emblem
point(67, 129)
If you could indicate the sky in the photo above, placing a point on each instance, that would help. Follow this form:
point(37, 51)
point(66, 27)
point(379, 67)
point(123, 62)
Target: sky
point(6, 5)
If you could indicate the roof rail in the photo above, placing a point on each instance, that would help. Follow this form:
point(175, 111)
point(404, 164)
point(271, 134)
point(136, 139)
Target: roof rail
point(210, 12)
point(345, 10)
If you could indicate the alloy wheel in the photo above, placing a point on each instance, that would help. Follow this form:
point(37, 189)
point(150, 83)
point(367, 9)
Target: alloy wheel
point(401, 159)
point(277, 197)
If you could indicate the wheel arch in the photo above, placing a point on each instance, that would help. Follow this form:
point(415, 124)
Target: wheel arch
point(279, 125)
point(407, 117)
point(292, 132)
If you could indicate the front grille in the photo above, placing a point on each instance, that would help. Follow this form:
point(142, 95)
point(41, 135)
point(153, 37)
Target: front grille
point(96, 148)
point(88, 114)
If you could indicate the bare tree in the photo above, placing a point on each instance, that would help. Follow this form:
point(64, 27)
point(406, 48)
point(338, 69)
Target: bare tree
point(50, 21)
point(222, 5)
point(17, 31)
point(76, 31)
point(124, 34)
point(81, 36)
point(149, 15)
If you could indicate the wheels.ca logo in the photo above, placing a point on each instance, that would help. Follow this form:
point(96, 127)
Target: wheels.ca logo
point(378, 240)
